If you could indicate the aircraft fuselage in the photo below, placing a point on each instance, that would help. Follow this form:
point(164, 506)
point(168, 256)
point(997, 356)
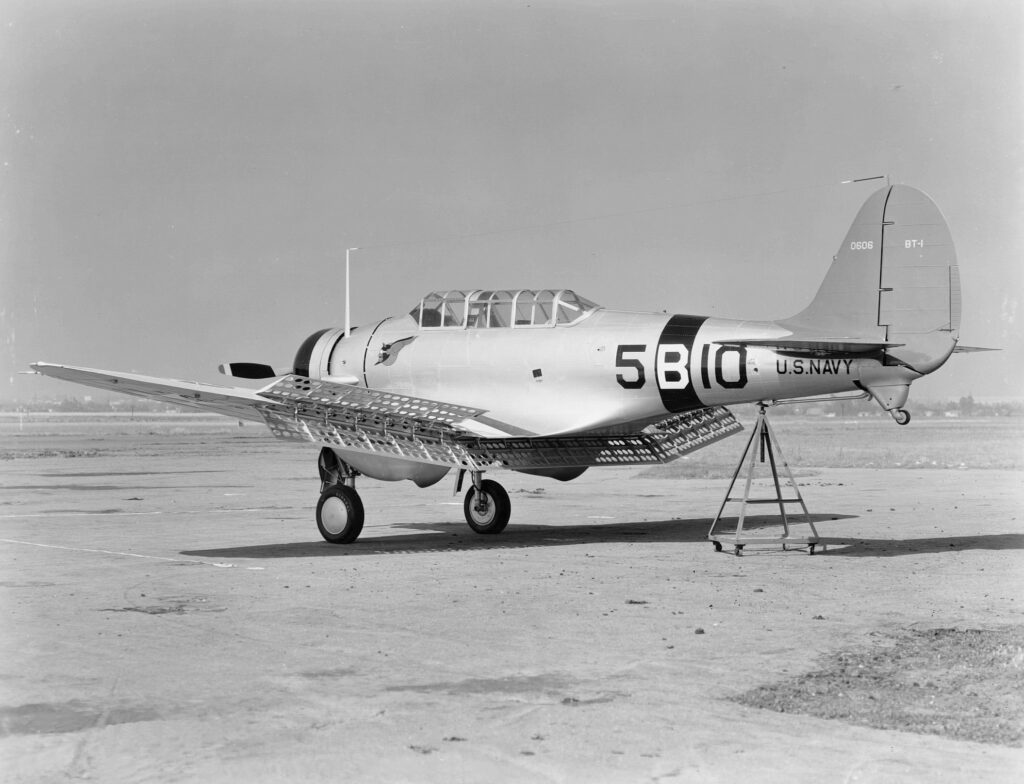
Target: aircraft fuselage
point(612, 368)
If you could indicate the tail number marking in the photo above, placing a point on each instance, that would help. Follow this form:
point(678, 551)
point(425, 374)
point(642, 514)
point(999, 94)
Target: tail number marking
point(622, 361)
point(724, 362)
point(862, 245)
point(671, 367)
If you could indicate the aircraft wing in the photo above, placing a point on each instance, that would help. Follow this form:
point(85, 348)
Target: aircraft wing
point(661, 442)
point(296, 397)
point(302, 409)
point(235, 402)
point(400, 426)
point(368, 420)
point(384, 423)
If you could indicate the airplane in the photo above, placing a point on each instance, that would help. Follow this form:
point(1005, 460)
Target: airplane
point(548, 383)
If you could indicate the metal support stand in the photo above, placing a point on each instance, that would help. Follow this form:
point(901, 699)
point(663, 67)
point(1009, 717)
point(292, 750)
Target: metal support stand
point(764, 436)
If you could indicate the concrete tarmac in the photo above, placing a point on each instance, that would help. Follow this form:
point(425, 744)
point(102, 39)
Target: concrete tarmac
point(170, 613)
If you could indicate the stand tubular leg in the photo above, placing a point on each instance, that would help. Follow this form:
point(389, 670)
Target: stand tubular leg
point(768, 445)
point(735, 476)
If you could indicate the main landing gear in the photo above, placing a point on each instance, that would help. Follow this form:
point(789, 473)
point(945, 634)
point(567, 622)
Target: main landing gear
point(339, 513)
point(487, 506)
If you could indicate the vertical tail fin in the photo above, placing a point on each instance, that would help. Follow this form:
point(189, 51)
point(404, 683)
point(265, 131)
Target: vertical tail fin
point(893, 280)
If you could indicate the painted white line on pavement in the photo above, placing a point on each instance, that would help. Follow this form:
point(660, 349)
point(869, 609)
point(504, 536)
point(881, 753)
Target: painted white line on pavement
point(102, 513)
point(116, 552)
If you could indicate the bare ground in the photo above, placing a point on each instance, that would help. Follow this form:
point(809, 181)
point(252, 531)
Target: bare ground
point(170, 614)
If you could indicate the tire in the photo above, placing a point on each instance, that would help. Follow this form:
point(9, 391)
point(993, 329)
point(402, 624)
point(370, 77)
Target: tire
point(499, 508)
point(339, 514)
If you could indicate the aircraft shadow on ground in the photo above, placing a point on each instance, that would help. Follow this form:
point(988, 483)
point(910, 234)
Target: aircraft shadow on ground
point(888, 548)
point(455, 537)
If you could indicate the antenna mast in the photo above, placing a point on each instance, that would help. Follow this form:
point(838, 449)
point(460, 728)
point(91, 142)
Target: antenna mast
point(348, 310)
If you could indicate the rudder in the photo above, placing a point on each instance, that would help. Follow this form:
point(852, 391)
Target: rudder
point(919, 292)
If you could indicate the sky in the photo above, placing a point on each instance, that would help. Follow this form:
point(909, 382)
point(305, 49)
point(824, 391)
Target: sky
point(180, 179)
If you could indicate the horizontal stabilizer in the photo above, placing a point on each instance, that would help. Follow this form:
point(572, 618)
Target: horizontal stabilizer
point(972, 349)
point(815, 345)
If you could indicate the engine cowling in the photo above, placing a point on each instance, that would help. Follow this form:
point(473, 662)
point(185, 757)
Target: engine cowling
point(328, 354)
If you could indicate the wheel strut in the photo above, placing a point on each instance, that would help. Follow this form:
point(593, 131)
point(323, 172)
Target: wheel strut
point(481, 500)
point(334, 470)
point(339, 512)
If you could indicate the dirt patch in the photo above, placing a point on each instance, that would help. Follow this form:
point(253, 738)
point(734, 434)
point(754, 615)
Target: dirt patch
point(512, 684)
point(72, 716)
point(965, 684)
point(31, 454)
point(171, 605)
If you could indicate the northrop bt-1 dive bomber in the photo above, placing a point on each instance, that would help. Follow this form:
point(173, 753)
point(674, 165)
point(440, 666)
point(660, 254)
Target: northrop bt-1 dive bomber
point(547, 382)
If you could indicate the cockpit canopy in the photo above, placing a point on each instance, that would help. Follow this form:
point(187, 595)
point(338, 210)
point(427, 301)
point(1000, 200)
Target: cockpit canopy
point(501, 309)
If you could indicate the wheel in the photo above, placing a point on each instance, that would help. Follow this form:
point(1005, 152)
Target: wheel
point(901, 416)
point(487, 512)
point(718, 546)
point(339, 515)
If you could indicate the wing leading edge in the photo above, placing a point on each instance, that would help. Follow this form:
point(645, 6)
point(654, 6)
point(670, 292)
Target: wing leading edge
point(235, 402)
point(295, 397)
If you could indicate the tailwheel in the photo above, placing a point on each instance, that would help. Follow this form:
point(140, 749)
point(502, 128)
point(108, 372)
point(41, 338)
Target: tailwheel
point(339, 514)
point(487, 508)
point(901, 416)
